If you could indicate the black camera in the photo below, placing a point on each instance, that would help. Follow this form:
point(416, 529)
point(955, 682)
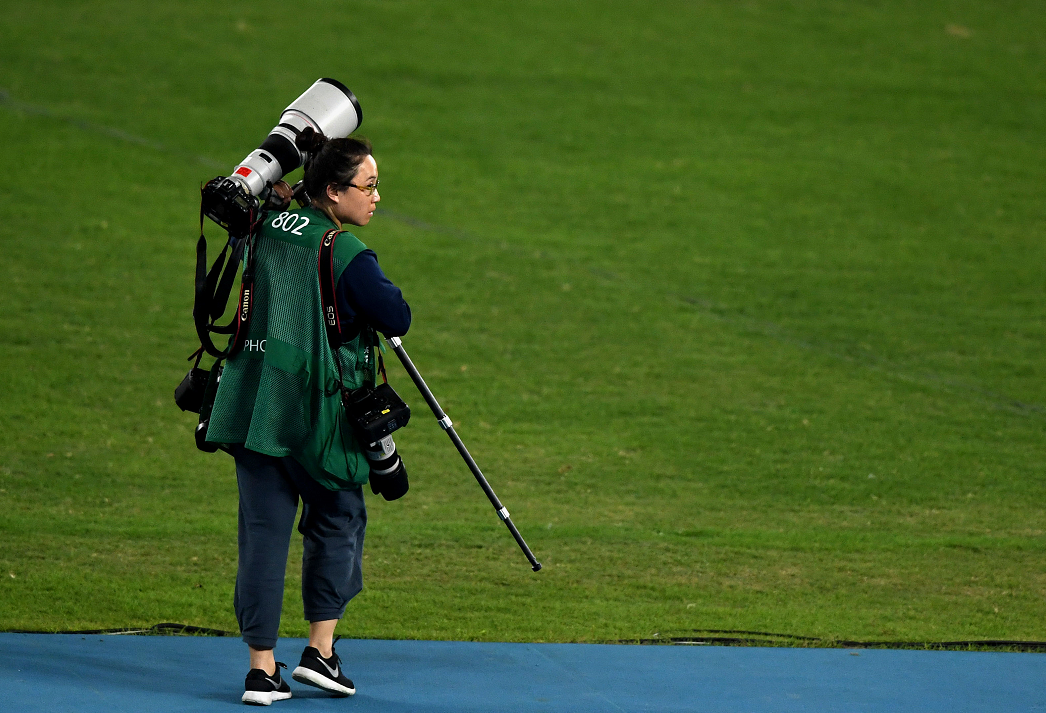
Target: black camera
point(228, 204)
point(233, 202)
point(189, 394)
point(196, 393)
point(374, 412)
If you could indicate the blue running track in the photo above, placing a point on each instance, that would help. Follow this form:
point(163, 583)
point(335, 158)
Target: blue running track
point(157, 674)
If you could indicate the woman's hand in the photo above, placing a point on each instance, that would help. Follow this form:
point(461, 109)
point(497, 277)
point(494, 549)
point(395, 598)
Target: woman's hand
point(279, 197)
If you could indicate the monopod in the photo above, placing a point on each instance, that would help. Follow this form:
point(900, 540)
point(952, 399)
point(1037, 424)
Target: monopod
point(446, 424)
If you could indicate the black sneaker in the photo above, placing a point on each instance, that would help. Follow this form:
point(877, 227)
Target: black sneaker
point(315, 670)
point(261, 689)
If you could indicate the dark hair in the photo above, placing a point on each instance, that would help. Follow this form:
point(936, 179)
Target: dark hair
point(330, 161)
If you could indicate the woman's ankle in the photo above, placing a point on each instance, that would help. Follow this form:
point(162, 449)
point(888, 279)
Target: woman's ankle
point(263, 659)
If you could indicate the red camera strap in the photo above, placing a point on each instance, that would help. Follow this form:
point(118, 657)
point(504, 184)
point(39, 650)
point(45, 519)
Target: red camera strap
point(328, 297)
point(328, 289)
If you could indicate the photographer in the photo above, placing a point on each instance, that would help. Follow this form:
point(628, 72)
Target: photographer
point(278, 410)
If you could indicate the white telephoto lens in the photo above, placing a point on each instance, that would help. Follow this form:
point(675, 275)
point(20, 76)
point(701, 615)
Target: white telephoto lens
point(327, 106)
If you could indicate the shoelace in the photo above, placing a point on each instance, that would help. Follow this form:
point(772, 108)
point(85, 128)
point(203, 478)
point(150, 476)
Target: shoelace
point(334, 654)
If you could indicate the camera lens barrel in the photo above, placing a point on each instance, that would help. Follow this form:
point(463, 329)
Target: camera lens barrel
point(388, 475)
point(328, 106)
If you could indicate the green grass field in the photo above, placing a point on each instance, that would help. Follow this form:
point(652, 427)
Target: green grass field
point(740, 307)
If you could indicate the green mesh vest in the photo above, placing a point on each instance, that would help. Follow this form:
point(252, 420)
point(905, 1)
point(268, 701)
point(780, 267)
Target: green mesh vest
point(279, 395)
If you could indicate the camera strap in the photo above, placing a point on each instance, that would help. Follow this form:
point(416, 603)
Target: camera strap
point(224, 288)
point(243, 312)
point(328, 297)
point(381, 367)
point(213, 287)
point(328, 290)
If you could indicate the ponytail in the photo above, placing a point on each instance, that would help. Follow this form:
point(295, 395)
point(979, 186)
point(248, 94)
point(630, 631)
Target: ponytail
point(329, 162)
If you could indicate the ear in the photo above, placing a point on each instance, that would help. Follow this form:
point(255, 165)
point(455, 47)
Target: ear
point(332, 193)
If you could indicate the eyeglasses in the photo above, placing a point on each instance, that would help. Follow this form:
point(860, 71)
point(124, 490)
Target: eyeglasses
point(369, 190)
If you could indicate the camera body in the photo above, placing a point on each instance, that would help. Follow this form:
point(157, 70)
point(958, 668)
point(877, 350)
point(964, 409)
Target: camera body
point(227, 203)
point(196, 393)
point(374, 413)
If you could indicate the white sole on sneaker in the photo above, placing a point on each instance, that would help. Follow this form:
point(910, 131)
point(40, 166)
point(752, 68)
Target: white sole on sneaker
point(264, 698)
point(311, 678)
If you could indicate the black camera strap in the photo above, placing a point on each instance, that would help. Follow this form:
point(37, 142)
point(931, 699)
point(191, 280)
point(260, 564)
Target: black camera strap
point(224, 288)
point(202, 301)
point(213, 287)
point(381, 366)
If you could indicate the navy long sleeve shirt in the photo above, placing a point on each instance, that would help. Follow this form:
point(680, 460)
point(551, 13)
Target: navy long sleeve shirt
point(365, 294)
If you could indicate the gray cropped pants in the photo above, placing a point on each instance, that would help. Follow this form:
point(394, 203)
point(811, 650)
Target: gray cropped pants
point(332, 525)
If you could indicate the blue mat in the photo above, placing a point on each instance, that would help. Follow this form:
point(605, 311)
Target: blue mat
point(111, 674)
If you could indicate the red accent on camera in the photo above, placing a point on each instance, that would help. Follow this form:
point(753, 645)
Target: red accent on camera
point(243, 171)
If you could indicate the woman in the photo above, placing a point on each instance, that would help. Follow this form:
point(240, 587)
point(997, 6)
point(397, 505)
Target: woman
point(278, 409)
